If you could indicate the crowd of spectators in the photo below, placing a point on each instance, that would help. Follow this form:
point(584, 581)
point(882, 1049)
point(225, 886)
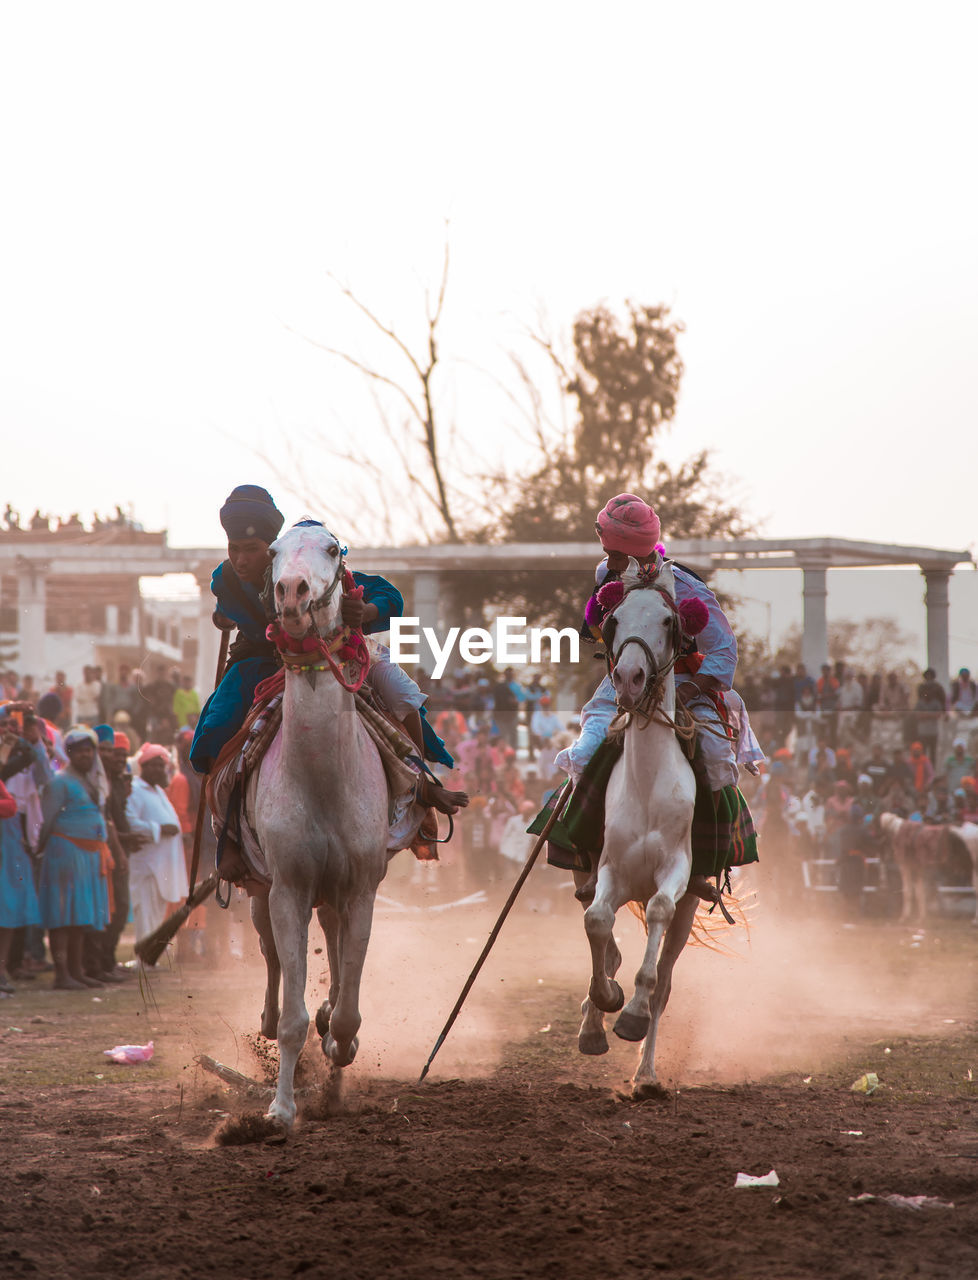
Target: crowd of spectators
point(95, 822)
point(844, 748)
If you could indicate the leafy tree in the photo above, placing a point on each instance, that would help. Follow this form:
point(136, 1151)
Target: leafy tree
point(623, 380)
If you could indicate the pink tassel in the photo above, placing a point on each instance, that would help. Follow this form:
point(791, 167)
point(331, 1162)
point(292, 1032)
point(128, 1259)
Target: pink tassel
point(694, 615)
point(610, 595)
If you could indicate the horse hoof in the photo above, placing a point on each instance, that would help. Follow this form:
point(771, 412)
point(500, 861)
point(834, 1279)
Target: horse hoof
point(269, 1026)
point(650, 1091)
point(631, 1026)
point(593, 1043)
point(615, 1001)
point(322, 1018)
point(332, 1051)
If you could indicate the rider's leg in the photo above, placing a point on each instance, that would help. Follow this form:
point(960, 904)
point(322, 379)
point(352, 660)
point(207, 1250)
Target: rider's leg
point(720, 759)
point(404, 699)
point(596, 716)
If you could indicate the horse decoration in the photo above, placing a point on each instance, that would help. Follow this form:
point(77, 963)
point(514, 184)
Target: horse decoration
point(646, 856)
point(318, 807)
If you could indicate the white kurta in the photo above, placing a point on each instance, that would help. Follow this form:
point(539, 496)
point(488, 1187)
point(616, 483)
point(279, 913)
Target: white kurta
point(157, 871)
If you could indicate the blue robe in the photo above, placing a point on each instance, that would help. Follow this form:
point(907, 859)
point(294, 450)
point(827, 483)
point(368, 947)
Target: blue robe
point(225, 710)
point(72, 889)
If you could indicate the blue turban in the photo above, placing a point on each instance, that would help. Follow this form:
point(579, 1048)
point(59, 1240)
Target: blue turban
point(249, 512)
point(105, 733)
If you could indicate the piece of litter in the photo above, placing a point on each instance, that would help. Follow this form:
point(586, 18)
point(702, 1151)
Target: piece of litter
point(868, 1083)
point(95, 1191)
point(807, 1080)
point(950, 1021)
point(546, 1028)
point(19, 1030)
point(970, 1076)
point(539, 982)
point(126, 1054)
point(852, 1133)
point(748, 1180)
point(903, 1202)
point(96, 999)
point(99, 1075)
point(626, 1125)
point(887, 1050)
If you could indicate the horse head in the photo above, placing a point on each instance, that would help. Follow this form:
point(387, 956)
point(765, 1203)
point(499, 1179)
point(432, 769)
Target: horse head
point(646, 636)
point(307, 568)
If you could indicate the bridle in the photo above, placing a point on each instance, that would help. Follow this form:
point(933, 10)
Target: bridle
point(305, 655)
point(649, 701)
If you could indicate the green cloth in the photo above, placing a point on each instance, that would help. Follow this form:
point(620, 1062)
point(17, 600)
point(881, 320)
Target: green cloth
point(723, 834)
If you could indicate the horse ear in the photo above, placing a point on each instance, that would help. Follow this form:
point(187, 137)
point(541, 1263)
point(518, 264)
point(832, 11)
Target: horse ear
point(630, 577)
point(666, 579)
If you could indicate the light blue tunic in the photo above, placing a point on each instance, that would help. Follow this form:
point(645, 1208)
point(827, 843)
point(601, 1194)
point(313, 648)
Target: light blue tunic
point(72, 889)
point(18, 897)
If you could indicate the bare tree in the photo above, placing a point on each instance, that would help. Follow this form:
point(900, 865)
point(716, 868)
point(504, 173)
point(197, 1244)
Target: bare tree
point(427, 486)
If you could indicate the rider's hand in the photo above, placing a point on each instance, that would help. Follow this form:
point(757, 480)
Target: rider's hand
point(168, 829)
point(221, 622)
point(352, 610)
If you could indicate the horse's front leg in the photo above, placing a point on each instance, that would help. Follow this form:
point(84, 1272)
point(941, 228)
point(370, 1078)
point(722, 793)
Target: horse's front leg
point(644, 1081)
point(290, 923)
point(356, 918)
point(634, 1020)
point(330, 925)
point(599, 923)
point(273, 970)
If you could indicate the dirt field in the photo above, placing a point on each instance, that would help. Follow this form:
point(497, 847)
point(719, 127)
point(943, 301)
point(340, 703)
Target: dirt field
point(518, 1157)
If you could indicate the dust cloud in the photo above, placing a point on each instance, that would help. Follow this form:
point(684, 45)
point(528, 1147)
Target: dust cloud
point(783, 1000)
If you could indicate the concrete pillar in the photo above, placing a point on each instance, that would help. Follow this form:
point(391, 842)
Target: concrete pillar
point(208, 638)
point(815, 631)
point(427, 607)
point(936, 600)
point(31, 619)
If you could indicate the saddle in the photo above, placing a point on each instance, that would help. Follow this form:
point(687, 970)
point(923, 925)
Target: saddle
point(231, 783)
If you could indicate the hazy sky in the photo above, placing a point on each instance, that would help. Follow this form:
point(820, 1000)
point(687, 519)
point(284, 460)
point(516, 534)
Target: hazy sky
point(797, 182)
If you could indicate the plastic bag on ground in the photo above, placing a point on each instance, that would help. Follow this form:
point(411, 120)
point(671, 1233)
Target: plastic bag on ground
point(127, 1054)
point(749, 1180)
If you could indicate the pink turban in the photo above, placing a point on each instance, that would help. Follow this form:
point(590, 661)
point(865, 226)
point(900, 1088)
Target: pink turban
point(630, 525)
point(152, 751)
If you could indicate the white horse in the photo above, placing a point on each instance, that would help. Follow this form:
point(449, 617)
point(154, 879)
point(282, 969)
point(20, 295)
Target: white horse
point(320, 806)
point(647, 853)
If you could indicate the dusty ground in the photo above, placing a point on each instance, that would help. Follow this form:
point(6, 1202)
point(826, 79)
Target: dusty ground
point(518, 1157)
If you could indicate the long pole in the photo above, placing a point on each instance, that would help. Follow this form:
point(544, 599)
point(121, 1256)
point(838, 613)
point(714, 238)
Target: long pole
point(202, 799)
point(559, 803)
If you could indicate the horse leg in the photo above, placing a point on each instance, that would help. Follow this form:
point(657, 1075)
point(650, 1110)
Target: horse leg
point(340, 1044)
point(591, 1038)
point(644, 1081)
point(273, 970)
point(290, 924)
point(633, 1021)
point(906, 887)
point(599, 923)
point(330, 925)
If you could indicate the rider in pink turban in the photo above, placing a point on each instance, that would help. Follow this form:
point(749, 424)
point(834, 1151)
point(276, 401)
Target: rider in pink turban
point(628, 524)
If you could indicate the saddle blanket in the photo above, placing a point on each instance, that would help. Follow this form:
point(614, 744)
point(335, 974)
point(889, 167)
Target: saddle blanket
point(723, 834)
point(232, 783)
